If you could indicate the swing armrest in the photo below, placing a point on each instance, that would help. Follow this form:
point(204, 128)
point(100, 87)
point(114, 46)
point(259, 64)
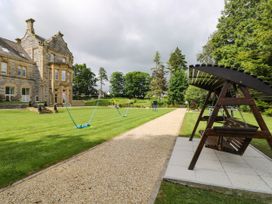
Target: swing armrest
point(217, 119)
point(235, 122)
point(235, 130)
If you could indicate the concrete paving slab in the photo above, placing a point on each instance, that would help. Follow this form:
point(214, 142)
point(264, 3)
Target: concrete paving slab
point(251, 172)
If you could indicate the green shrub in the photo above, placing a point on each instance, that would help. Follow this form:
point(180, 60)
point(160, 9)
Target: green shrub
point(101, 102)
point(244, 108)
point(125, 102)
point(195, 97)
point(262, 105)
point(268, 112)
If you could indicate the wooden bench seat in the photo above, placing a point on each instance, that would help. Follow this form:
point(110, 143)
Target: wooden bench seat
point(217, 118)
point(233, 137)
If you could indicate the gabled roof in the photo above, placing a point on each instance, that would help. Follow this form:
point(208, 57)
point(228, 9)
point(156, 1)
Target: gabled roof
point(212, 77)
point(12, 49)
point(56, 43)
point(40, 38)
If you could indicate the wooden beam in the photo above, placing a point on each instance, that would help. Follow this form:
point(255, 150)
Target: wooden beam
point(200, 115)
point(258, 135)
point(209, 126)
point(236, 101)
point(257, 115)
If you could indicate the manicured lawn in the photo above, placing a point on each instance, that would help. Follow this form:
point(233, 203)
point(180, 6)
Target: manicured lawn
point(30, 142)
point(191, 117)
point(124, 102)
point(175, 193)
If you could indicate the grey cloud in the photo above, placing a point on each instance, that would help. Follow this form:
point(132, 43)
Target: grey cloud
point(118, 35)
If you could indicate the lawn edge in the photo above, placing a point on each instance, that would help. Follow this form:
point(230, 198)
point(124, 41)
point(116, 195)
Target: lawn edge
point(46, 168)
point(222, 190)
point(158, 183)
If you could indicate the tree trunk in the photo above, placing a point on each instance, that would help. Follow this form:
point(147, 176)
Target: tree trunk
point(100, 91)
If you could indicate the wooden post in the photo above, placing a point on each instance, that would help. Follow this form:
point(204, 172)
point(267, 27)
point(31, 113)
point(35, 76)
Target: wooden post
point(209, 125)
point(257, 115)
point(201, 114)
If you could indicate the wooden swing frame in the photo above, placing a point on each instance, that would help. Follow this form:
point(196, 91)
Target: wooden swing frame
point(236, 130)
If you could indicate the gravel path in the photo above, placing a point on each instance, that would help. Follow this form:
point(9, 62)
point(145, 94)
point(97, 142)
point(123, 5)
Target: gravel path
point(127, 169)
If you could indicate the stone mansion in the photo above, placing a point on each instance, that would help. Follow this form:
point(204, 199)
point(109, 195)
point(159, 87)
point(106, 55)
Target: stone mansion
point(35, 69)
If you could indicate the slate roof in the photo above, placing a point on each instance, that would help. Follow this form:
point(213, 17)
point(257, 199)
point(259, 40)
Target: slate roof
point(12, 49)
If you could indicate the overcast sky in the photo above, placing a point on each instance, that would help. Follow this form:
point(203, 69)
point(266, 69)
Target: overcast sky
point(119, 35)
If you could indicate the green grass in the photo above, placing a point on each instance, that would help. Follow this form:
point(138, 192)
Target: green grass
point(171, 193)
point(13, 103)
point(124, 102)
point(191, 117)
point(30, 142)
point(177, 193)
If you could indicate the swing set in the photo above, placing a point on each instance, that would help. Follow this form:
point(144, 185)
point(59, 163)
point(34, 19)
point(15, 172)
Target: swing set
point(83, 125)
point(231, 87)
point(118, 109)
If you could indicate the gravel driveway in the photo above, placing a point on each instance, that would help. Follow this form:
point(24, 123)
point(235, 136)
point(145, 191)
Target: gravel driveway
point(126, 169)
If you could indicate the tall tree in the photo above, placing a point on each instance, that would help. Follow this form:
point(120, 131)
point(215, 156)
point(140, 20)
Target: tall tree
point(176, 61)
point(158, 84)
point(102, 76)
point(206, 55)
point(137, 84)
point(178, 79)
point(243, 38)
point(117, 83)
point(84, 81)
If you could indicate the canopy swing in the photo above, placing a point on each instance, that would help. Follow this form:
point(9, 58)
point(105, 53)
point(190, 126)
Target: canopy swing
point(84, 125)
point(118, 109)
point(231, 88)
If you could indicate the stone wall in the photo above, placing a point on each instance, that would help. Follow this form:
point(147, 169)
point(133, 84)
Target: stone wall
point(18, 82)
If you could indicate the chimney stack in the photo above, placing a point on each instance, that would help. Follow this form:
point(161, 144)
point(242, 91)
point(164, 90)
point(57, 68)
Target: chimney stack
point(18, 40)
point(30, 27)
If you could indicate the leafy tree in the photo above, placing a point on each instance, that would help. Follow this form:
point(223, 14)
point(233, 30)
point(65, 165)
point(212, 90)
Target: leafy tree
point(243, 38)
point(117, 82)
point(158, 84)
point(176, 61)
point(177, 86)
point(137, 84)
point(84, 81)
point(206, 55)
point(102, 76)
point(178, 80)
point(195, 96)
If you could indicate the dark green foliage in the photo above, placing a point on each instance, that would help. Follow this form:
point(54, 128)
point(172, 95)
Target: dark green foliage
point(175, 193)
point(243, 38)
point(262, 105)
point(177, 61)
point(117, 84)
point(158, 84)
point(84, 81)
point(136, 84)
point(244, 108)
point(178, 79)
point(177, 86)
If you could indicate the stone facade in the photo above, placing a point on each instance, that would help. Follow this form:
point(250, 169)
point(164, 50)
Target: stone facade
point(48, 65)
